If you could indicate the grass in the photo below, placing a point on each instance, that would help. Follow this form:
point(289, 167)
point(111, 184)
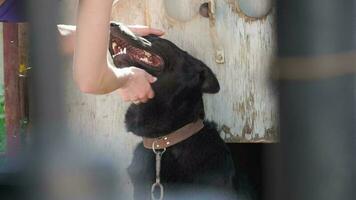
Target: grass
point(2, 120)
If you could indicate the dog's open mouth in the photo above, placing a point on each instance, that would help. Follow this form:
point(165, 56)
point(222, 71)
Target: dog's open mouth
point(123, 50)
point(127, 49)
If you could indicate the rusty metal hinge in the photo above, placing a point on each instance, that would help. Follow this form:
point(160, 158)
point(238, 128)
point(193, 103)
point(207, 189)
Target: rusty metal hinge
point(209, 10)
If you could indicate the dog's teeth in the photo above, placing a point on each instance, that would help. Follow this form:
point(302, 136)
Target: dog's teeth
point(144, 59)
point(114, 45)
point(147, 54)
point(125, 50)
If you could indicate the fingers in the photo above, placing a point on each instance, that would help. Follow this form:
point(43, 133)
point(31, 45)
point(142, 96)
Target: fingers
point(150, 78)
point(133, 99)
point(144, 30)
point(136, 96)
point(136, 102)
point(157, 32)
point(138, 88)
point(150, 94)
point(145, 97)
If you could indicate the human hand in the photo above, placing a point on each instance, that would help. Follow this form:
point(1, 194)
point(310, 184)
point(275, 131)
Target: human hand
point(145, 30)
point(137, 88)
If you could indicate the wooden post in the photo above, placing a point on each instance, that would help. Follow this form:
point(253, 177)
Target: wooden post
point(15, 111)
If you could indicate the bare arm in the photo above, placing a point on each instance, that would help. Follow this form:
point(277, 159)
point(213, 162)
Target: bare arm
point(92, 72)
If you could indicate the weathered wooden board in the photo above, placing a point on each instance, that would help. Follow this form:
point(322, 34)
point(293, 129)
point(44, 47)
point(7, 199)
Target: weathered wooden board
point(11, 87)
point(15, 62)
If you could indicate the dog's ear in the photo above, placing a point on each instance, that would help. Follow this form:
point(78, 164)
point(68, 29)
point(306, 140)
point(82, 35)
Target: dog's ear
point(209, 82)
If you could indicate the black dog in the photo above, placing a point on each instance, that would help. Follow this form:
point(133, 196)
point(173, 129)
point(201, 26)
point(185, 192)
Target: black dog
point(202, 163)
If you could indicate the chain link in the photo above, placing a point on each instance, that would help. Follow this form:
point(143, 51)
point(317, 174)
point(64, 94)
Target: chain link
point(157, 184)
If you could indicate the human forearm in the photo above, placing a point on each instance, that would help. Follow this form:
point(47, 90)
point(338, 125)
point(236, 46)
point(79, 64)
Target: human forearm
point(91, 71)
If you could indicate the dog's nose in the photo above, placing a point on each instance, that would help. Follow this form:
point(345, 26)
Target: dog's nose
point(115, 24)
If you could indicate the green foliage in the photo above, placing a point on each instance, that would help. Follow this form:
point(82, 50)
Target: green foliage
point(2, 120)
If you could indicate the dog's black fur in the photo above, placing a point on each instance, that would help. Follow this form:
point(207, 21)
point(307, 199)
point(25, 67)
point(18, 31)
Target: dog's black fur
point(201, 162)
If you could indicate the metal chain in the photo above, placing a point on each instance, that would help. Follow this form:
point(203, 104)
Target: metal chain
point(157, 184)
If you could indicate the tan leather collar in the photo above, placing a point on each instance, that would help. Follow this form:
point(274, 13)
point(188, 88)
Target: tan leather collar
point(175, 137)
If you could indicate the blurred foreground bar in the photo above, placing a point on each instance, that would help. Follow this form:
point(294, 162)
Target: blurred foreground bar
point(316, 81)
point(20, 176)
point(46, 87)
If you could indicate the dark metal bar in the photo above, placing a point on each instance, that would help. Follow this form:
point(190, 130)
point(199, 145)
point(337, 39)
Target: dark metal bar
point(316, 156)
point(46, 99)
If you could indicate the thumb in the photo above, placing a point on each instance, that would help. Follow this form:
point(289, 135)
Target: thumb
point(151, 78)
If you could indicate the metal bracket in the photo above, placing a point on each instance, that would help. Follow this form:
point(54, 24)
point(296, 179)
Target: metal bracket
point(219, 51)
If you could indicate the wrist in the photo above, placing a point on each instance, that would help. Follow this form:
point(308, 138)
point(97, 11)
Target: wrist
point(123, 75)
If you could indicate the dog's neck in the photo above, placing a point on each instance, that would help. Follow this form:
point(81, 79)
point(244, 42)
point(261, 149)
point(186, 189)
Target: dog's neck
point(175, 137)
point(156, 119)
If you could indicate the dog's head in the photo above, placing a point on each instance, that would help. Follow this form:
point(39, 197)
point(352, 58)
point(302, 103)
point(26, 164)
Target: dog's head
point(178, 90)
point(161, 58)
